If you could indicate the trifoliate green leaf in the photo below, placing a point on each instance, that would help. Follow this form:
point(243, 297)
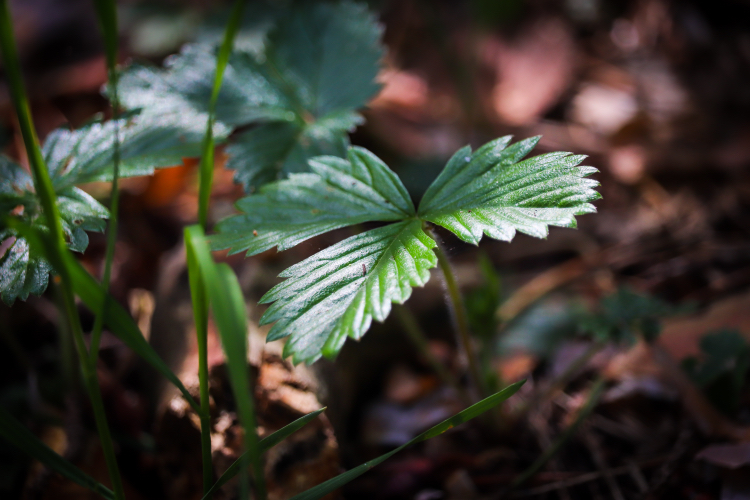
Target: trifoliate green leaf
point(338, 193)
point(492, 192)
point(318, 67)
point(337, 293)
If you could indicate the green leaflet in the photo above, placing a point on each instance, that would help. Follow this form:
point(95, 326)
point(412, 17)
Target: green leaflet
point(22, 272)
point(86, 154)
point(336, 194)
point(76, 157)
point(492, 192)
point(302, 91)
point(337, 292)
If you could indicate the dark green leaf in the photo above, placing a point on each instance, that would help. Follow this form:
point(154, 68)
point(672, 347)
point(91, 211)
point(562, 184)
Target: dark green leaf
point(492, 192)
point(469, 413)
point(721, 370)
point(22, 272)
point(625, 314)
point(274, 150)
point(337, 293)
point(91, 293)
point(319, 66)
point(328, 55)
point(18, 435)
point(338, 193)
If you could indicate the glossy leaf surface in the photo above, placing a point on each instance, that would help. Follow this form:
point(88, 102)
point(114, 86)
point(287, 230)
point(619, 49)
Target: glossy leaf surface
point(317, 68)
point(336, 194)
point(492, 192)
point(337, 293)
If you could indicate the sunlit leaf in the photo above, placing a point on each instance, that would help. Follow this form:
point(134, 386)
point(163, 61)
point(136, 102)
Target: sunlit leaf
point(336, 194)
point(493, 192)
point(337, 293)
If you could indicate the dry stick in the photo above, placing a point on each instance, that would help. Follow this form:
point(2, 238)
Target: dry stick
point(538, 424)
point(588, 407)
point(565, 377)
point(587, 477)
point(596, 453)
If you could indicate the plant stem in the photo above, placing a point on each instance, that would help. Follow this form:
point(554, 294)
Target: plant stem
point(197, 285)
point(45, 190)
point(207, 156)
point(460, 317)
point(108, 20)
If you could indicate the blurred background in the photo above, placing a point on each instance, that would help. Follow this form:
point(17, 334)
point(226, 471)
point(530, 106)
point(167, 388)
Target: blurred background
point(655, 92)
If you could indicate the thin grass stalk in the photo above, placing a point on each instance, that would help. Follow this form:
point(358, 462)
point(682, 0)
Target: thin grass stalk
point(107, 13)
point(45, 191)
point(200, 318)
point(207, 156)
point(197, 285)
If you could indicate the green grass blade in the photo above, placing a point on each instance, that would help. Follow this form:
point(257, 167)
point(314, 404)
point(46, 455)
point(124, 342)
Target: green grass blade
point(107, 13)
point(264, 445)
point(469, 413)
point(230, 316)
point(228, 306)
point(18, 435)
point(91, 293)
point(46, 193)
point(42, 181)
point(207, 158)
point(200, 318)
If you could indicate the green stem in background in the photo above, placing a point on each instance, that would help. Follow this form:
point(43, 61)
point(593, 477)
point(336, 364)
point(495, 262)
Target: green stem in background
point(460, 317)
point(107, 13)
point(585, 411)
point(416, 335)
point(197, 285)
point(48, 199)
point(207, 156)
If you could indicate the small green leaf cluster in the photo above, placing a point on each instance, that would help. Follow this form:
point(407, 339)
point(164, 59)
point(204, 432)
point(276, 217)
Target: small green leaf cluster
point(625, 315)
point(337, 292)
point(721, 370)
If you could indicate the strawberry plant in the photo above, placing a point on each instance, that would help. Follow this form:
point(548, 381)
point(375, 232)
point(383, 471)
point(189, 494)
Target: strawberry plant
point(284, 110)
point(336, 293)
